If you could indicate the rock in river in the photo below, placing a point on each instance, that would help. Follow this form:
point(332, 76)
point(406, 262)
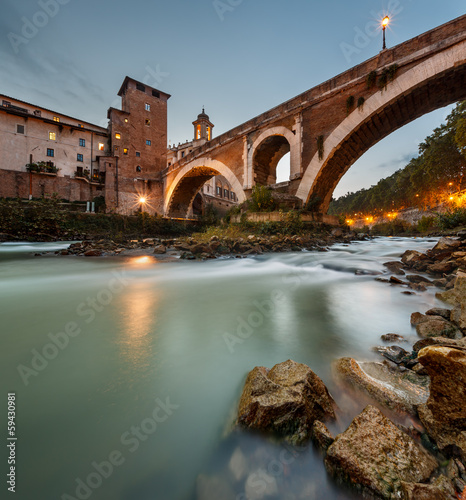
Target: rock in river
point(375, 456)
point(285, 400)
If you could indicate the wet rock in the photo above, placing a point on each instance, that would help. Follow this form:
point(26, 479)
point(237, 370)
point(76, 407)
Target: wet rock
point(413, 491)
point(375, 456)
point(393, 337)
point(446, 244)
point(437, 311)
point(444, 413)
point(399, 391)
point(419, 287)
point(396, 281)
point(438, 328)
point(457, 297)
point(418, 318)
point(395, 267)
point(441, 341)
point(440, 283)
point(160, 249)
point(93, 253)
point(411, 256)
point(406, 292)
point(442, 268)
point(285, 400)
point(393, 353)
point(417, 278)
point(321, 436)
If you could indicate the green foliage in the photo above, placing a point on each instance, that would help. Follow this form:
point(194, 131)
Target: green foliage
point(100, 205)
point(291, 222)
point(41, 166)
point(426, 224)
point(424, 182)
point(371, 79)
point(361, 102)
point(313, 204)
point(320, 147)
point(349, 104)
point(210, 215)
point(391, 228)
point(261, 199)
point(388, 75)
point(452, 219)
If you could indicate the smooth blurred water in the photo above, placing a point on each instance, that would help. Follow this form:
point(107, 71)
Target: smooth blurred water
point(175, 330)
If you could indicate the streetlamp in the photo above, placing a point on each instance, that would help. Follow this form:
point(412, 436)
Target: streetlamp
point(385, 22)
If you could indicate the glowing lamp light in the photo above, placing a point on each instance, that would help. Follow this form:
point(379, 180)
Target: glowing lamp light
point(451, 198)
point(385, 21)
point(142, 200)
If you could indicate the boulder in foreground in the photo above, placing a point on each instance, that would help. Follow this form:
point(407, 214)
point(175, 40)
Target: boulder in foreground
point(285, 400)
point(376, 457)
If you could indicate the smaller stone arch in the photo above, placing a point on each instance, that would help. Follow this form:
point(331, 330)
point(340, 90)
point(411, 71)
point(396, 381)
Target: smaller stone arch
point(189, 181)
point(267, 150)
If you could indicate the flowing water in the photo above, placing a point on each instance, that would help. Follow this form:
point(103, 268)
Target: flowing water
point(127, 371)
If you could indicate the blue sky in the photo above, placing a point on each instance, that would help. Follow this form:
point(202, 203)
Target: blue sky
point(236, 57)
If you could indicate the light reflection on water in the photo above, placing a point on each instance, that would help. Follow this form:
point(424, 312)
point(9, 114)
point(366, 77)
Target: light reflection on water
point(163, 335)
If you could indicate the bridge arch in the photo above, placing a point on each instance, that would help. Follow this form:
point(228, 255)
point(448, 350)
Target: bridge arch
point(432, 84)
point(266, 152)
point(189, 181)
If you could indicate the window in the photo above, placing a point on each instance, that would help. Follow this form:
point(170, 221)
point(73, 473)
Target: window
point(20, 129)
point(125, 151)
point(37, 112)
point(148, 142)
point(182, 154)
point(82, 142)
point(225, 193)
point(138, 169)
point(80, 157)
point(101, 146)
point(80, 126)
point(140, 87)
point(138, 154)
point(156, 94)
point(208, 188)
point(147, 106)
point(208, 133)
point(118, 136)
point(219, 191)
point(50, 152)
point(56, 119)
point(7, 104)
point(233, 196)
point(147, 121)
point(79, 171)
point(52, 136)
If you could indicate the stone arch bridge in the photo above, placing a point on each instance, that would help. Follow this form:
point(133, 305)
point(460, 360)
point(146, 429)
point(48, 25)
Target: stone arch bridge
point(327, 128)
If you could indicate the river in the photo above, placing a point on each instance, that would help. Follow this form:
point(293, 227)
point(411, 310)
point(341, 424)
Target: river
point(127, 371)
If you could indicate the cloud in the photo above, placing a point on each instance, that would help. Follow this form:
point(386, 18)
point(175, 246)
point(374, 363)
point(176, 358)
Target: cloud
point(397, 163)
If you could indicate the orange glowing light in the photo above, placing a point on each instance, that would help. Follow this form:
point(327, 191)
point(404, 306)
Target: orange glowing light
point(451, 198)
point(385, 21)
point(142, 200)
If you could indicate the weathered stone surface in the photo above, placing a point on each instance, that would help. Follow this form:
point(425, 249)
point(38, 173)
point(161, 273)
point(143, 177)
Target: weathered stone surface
point(160, 249)
point(437, 311)
point(442, 341)
point(442, 268)
point(374, 455)
point(444, 414)
point(417, 278)
point(457, 297)
point(321, 436)
point(395, 267)
point(412, 491)
point(393, 353)
point(411, 256)
point(396, 281)
point(92, 253)
point(446, 244)
point(285, 400)
point(392, 337)
point(400, 391)
point(438, 328)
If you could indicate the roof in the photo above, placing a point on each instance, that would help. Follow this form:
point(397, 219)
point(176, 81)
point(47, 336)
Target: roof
point(129, 79)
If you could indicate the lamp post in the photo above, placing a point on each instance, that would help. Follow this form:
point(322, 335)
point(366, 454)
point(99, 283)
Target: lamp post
point(385, 22)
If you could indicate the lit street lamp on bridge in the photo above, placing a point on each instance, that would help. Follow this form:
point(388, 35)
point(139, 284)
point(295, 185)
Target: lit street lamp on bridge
point(385, 22)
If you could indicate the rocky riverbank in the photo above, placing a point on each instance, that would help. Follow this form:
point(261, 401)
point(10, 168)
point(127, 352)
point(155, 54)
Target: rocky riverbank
point(211, 247)
point(409, 442)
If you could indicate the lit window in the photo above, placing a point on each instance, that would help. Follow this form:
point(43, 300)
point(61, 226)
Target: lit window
point(125, 151)
point(148, 142)
point(101, 146)
point(117, 136)
point(80, 126)
point(147, 121)
point(147, 106)
point(138, 154)
point(56, 119)
point(198, 132)
point(80, 157)
point(82, 142)
point(52, 136)
point(20, 129)
point(50, 152)
point(208, 133)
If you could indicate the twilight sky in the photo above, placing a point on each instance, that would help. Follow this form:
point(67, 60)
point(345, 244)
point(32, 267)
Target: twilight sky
point(239, 58)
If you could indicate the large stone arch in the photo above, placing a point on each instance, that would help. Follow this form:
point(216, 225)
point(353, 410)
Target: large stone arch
point(267, 150)
point(189, 181)
point(432, 84)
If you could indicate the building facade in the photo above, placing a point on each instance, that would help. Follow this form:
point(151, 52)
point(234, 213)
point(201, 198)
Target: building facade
point(43, 153)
